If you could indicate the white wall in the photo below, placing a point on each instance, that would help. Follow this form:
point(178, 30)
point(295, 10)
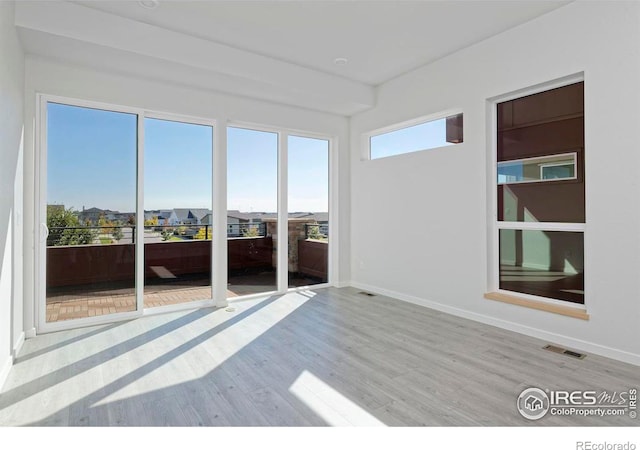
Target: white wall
point(55, 78)
point(445, 194)
point(11, 132)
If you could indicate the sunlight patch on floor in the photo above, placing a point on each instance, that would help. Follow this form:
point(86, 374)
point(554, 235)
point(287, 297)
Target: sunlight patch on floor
point(329, 404)
point(225, 344)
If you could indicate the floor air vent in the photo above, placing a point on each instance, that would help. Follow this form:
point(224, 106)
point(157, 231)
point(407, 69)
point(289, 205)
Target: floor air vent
point(368, 294)
point(564, 351)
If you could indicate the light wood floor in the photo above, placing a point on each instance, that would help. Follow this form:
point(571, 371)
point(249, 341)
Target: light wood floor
point(326, 357)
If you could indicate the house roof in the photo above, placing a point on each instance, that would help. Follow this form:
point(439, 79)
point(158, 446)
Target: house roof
point(98, 210)
point(199, 212)
point(321, 216)
point(191, 213)
point(235, 214)
point(318, 216)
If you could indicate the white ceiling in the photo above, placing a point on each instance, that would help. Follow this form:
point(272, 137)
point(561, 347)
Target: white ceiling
point(381, 39)
point(285, 47)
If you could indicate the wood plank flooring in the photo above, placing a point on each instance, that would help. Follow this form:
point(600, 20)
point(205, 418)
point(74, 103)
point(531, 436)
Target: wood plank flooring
point(312, 358)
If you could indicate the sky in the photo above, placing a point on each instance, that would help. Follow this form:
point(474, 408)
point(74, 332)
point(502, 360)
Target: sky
point(418, 137)
point(91, 162)
point(91, 158)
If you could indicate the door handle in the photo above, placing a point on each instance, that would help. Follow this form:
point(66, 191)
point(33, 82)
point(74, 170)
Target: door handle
point(44, 231)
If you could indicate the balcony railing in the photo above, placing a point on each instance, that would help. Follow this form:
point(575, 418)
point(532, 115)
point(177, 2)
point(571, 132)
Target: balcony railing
point(182, 250)
point(125, 234)
point(246, 229)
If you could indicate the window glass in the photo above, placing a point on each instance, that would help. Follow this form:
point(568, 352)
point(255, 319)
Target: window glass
point(252, 192)
point(545, 168)
point(435, 133)
point(540, 179)
point(91, 212)
point(177, 212)
point(543, 263)
point(308, 187)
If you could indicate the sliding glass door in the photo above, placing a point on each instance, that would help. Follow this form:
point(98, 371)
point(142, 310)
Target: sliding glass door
point(127, 214)
point(91, 202)
point(177, 212)
point(308, 201)
point(252, 191)
point(90, 212)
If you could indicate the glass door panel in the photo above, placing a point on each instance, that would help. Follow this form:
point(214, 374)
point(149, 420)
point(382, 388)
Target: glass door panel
point(90, 212)
point(308, 200)
point(177, 212)
point(252, 183)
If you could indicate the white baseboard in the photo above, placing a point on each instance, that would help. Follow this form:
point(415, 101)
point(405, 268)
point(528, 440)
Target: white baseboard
point(575, 344)
point(5, 367)
point(341, 284)
point(18, 345)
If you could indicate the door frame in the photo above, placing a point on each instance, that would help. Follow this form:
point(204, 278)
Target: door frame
point(219, 205)
point(42, 326)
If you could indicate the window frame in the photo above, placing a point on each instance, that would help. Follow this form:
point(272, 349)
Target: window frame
point(365, 153)
point(283, 200)
point(42, 101)
point(550, 165)
point(493, 291)
point(219, 125)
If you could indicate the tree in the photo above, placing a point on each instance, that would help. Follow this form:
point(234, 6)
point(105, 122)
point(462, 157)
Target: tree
point(313, 232)
point(250, 231)
point(166, 234)
point(202, 234)
point(151, 222)
point(65, 228)
point(117, 233)
point(106, 224)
